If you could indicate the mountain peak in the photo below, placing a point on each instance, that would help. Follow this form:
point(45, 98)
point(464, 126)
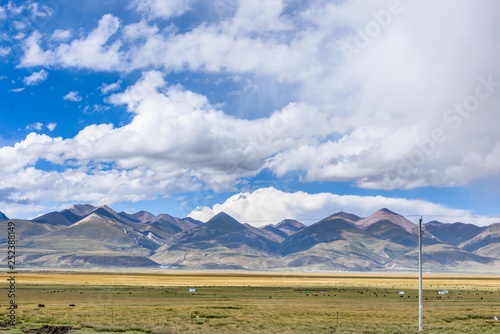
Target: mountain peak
point(3, 217)
point(224, 221)
point(164, 216)
point(81, 209)
point(107, 208)
point(166, 219)
point(222, 215)
point(289, 226)
point(386, 211)
point(143, 216)
point(434, 224)
point(386, 214)
point(291, 222)
point(346, 215)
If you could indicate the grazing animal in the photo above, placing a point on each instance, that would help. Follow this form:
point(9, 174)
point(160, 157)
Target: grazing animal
point(71, 304)
point(41, 305)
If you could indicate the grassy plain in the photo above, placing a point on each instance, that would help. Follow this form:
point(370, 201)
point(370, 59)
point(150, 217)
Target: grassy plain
point(252, 302)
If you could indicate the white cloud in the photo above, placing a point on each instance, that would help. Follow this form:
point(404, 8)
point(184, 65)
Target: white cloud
point(260, 15)
point(36, 126)
point(184, 141)
point(182, 128)
point(61, 35)
point(19, 36)
point(4, 51)
point(140, 30)
point(34, 9)
point(269, 206)
point(97, 186)
point(95, 108)
point(13, 210)
point(72, 96)
point(106, 88)
point(19, 25)
point(88, 52)
point(38, 10)
point(160, 8)
point(51, 126)
point(13, 159)
point(33, 53)
point(36, 78)
point(17, 90)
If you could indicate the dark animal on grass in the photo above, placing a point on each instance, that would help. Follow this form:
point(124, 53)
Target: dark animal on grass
point(41, 305)
point(71, 304)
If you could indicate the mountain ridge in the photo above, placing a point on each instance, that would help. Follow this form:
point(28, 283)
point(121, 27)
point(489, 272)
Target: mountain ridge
point(93, 237)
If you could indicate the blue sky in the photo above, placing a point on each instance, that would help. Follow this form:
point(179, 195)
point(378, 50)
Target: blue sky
point(263, 109)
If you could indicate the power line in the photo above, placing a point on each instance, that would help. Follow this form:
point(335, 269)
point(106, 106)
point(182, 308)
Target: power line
point(412, 215)
point(456, 216)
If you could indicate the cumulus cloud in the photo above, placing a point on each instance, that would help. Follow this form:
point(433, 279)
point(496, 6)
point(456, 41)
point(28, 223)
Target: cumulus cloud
point(90, 51)
point(97, 183)
point(36, 78)
point(269, 206)
point(14, 159)
point(186, 143)
point(33, 53)
point(195, 135)
point(98, 187)
point(72, 96)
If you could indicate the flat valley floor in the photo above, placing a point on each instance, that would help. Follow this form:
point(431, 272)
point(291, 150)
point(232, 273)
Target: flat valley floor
point(250, 302)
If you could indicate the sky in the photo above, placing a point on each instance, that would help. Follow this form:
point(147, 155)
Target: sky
point(263, 109)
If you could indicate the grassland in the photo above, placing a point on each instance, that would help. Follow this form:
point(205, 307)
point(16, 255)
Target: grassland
point(237, 302)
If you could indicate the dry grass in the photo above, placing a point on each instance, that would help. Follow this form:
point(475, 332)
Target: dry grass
point(240, 302)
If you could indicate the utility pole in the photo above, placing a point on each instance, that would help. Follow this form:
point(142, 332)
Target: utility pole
point(420, 305)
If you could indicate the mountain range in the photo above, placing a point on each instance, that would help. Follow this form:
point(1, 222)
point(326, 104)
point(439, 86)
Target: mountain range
point(85, 236)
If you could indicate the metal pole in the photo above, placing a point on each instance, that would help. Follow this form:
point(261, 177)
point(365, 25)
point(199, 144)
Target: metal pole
point(420, 305)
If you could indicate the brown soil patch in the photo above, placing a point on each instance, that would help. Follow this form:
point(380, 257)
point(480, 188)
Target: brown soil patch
point(50, 330)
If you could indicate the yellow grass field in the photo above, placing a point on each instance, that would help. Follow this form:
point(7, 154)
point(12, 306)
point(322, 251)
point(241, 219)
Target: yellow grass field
point(251, 302)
